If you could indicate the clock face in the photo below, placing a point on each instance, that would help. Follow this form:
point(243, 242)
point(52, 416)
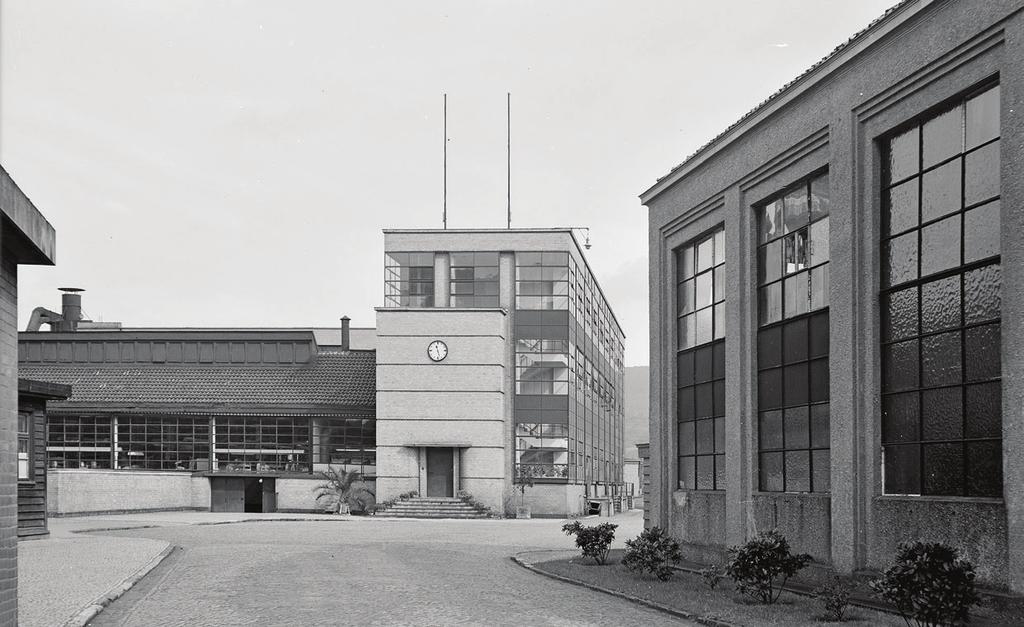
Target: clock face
point(437, 350)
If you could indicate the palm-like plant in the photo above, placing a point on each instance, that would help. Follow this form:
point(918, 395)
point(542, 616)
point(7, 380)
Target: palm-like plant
point(346, 487)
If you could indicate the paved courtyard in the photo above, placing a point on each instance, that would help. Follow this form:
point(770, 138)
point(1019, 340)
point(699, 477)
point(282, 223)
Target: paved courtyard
point(366, 572)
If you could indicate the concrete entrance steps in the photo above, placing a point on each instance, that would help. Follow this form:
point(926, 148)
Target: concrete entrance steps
point(430, 507)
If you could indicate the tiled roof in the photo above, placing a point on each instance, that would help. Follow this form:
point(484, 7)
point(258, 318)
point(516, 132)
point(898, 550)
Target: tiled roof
point(786, 87)
point(331, 378)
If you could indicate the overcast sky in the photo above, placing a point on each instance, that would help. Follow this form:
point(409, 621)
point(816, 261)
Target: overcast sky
point(233, 163)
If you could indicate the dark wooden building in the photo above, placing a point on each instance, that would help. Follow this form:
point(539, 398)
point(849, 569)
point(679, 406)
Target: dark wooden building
point(32, 398)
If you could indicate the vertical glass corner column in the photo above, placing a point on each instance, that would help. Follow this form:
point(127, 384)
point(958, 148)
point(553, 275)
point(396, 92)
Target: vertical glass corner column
point(793, 340)
point(700, 362)
point(940, 303)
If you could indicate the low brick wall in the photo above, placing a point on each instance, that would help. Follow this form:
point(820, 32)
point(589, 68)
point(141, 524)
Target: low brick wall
point(93, 491)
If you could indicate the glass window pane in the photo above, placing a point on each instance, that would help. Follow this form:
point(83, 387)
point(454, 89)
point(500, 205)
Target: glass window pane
point(797, 295)
point(769, 262)
point(719, 435)
point(940, 246)
point(819, 287)
point(900, 418)
point(771, 472)
point(821, 471)
point(795, 385)
point(770, 303)
point(900, 259)
point(984, 411)
point(705, 254)
point(687, 331)
point(819, 242)
point(940, 304)
point(985, 469)
point(902, 469)
point(903, 155)
point(902, 209)
point(705, 331)
point(819, 335)
point(899, 314)
point(719, 321)
point(720, 472)
point(705, 400)
point(798, 471)
point(942, 136)
point(981, 232)
point(899, 366)
point(686, 296)
point(688, 268)
point(769, 389)
point(687, 473)
point(684, 369)
point(705, 436)
point(943, 469)
point(719, 284)
point(820, 425)
point(983, 117)
point(794, 341)
point(771, 221)
point(706, 472)
point(704, 290)
point(719, 247)
point(796, 212)
point(819, 380)
point(702, 358)
point(982, 294)
point(981, 174)
point(797, 428)
point(795, 252)
point(940, 359)
point(942, 414)
point(982, 352)
point(687, 438)
point(940, 191)
point(769, 347)
point(685, 404)
point(819, 197)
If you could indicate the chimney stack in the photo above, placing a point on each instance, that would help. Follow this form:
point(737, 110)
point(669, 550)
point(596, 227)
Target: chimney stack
point(344, 333)
point(71, 309)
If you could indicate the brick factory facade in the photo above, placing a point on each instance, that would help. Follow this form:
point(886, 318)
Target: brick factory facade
point(829, 282)
point(25, 238)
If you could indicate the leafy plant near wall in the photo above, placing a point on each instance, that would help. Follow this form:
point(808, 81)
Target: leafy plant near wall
point(343, 488)
point(468, 499)
point(758, 565)
point(835, 597)
point(652, 551)
point(595, 541)
point(929, 583)
point(711, 575)
point(405, 496)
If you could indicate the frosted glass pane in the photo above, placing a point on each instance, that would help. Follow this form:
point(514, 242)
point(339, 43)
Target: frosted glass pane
point(940, 191)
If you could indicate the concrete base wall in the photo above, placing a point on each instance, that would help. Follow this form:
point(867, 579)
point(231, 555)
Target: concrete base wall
point(697, 519)
point(554, 499)
point(84, 491)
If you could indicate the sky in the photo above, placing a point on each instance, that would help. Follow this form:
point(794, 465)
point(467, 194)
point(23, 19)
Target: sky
point(230, 163)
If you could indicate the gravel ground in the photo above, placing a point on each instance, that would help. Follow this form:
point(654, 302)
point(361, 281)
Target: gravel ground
point(59, 576)
point(365, 572)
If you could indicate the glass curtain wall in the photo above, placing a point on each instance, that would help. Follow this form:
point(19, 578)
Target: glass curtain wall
point(793, 340)
point(408, 279)
point(700, 362)
point(474, 280)
point(940, 303)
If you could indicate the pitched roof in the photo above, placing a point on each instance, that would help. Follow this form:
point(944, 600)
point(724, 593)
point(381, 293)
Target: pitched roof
point(782, 90)
point(330, 380)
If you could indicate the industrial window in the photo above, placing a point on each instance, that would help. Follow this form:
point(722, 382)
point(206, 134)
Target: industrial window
point(793, 341)
point(940, 303)
point(163, 443)
point(409, 280)
point(700, 362)
point(474, 280)
point(348, 443)
point(262, 444)
point(79, 441)
point(542, 450)
point(542, 280)
point(24, 446)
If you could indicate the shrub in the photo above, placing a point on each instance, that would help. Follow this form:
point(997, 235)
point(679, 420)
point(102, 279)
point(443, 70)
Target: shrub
point(340, 487)
point(929, 583)
point(411, 494)
point(757, 566)
point(594, 541)
point(835, 596)
point(711, 576)
point(652, 551)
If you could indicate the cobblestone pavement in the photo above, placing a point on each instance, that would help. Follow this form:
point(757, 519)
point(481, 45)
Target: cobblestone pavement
point(365, 572)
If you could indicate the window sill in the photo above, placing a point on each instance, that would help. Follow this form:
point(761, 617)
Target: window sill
point(917, 498)
point(813, 495)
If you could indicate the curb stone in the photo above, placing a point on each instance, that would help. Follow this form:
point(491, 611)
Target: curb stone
point(704, 620)
point(90, 611)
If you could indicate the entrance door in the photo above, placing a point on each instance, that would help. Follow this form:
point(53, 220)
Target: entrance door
point(269, 495)
point(227, 494)
point(440, 472)
point(253, 496)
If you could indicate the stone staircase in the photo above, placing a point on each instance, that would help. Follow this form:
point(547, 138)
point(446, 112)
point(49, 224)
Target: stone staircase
point(430, 507)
